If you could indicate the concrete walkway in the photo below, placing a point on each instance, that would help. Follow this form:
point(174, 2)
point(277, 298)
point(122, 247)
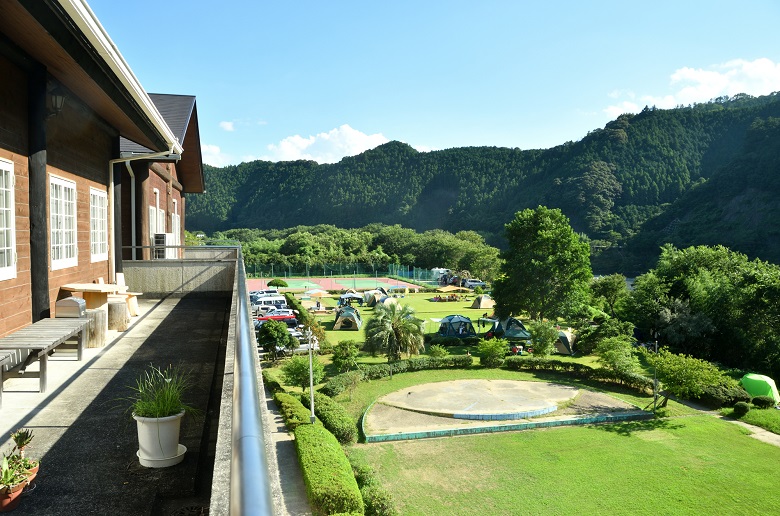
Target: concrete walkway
point(85, 438)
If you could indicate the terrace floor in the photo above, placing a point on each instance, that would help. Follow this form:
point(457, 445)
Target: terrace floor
point(84, 435)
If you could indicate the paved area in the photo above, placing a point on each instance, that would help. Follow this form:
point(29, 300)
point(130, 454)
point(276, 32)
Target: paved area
point(86, 439)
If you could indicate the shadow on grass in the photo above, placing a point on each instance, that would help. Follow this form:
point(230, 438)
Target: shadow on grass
point(629, 428)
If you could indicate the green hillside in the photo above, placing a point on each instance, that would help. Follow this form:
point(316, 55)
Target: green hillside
point(666, 168)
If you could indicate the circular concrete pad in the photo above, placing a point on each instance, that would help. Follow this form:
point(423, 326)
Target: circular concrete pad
point(474, 398)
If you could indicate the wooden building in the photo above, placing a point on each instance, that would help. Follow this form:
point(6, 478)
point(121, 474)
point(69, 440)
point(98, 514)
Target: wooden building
point(69, 104)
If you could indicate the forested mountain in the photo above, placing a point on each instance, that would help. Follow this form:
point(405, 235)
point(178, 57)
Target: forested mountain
point(694, 175)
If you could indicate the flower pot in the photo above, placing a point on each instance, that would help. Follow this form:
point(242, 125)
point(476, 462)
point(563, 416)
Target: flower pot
point(158, 441)
point(10, 496)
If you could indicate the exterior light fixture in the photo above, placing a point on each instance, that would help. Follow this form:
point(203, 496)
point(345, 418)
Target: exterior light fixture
point(56, 100)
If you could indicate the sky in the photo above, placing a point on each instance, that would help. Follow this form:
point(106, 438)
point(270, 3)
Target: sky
point(320, 80)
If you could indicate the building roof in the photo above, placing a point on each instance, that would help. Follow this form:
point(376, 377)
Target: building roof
point(181, 114)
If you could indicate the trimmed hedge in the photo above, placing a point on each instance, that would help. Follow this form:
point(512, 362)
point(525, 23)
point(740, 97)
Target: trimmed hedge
point(378, 501)
point(763, 402)
point(741, 408)
point(717, 396)
point(330, 484)
point(333, 417)
point(454, 341)
point(292, 410)
point(273, 385)
point(634, 381)
point(339, 383)
point(304, 316)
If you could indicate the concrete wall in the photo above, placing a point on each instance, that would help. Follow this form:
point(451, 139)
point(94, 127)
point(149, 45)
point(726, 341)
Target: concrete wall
point(160, 278)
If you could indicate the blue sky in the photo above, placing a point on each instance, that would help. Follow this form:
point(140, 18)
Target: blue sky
point(323, 80)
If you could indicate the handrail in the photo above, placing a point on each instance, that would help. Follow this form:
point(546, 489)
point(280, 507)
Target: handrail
point(249, 481)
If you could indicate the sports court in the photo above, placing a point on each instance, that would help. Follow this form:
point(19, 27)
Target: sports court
point(331, 283)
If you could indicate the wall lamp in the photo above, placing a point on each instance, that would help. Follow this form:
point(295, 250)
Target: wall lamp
point(56, 100)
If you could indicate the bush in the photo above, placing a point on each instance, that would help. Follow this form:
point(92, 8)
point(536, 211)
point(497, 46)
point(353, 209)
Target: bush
point(345, 355)
point(364, 473)
point(273, 385)
point(333, 417)
point(339, 383)
point(717, 396)
point(276, 282)
point(544, 336)
point(292, 410)
point(492, 351)
point(330, 484)
point(740, 409)
point(437, 351)
point(378, 501)
point(763, 402)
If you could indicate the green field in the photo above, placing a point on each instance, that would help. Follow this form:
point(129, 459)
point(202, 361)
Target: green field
point(691, 465)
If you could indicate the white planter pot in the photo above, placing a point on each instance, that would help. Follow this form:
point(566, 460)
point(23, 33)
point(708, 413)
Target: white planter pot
point(158, 441)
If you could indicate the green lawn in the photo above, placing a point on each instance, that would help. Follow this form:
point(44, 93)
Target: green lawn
point(768, 419)
point(691, 465)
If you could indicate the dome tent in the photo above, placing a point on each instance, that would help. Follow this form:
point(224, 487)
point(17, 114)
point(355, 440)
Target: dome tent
point(347, 318)
point(760, 385)
point(483, 301)
point(456, 326)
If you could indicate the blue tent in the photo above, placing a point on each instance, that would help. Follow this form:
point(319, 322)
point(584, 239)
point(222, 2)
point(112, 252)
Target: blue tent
point(456, 326)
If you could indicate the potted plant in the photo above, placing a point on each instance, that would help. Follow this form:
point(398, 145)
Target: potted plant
point(19, 460)
point(12, 482)
point(157, 405)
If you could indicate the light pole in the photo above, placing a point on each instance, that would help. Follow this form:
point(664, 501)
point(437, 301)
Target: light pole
point(312, 340)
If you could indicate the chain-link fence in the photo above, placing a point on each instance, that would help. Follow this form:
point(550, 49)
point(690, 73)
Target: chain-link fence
point(344, 270)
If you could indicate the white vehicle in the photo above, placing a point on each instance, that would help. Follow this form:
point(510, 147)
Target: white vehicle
point(266, 303)
point(472, 283)
point(289, 312)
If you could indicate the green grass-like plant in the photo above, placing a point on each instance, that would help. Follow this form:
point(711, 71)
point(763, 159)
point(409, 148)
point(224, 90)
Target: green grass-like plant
point(159, 392)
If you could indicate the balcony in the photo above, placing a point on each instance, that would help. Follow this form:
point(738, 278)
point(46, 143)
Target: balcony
point(194, 312)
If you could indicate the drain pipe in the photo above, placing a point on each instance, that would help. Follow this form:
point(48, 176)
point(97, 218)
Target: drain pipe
point(111, 208)
point(129, 168)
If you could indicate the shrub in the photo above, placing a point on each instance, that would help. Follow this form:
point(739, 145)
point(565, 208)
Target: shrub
point(333, 417)
point(590, 336)
point(296, 371)
point(378, 501)
point(364, 473)
point(684, 376)
point(273, 385)
point(741, 408)
point(330, 484)
point(437, 351)
point(339, 383)
point(345, 355)
point(276, 282)
point(492, 352)
point(292, 410)
point(544, 336)
point(717, 396)
point(763, 402)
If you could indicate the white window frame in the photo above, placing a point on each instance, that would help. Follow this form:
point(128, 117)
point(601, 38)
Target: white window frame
point(63, 233)
point(98, 225)
point(176, 223)
point(156, 217)
point(8, 256)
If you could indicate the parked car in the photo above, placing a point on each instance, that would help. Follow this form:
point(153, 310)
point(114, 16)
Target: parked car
point(473, 283)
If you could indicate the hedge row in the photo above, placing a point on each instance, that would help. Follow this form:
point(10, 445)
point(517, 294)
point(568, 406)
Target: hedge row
point(292, 410)
point(634, 381)
point(452, 341)
point(377, 499)
point(273, 385)
point(339, 383)
point(304, 316)
point(330, 484)
point(333, 417)
point(717, 396)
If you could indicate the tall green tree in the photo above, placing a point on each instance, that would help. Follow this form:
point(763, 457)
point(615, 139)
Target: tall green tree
point(546, 269)
point(611, 289)
point(394, 330)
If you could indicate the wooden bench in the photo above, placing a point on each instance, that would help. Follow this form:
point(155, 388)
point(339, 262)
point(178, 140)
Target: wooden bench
point(5, 358)
point(42, 337)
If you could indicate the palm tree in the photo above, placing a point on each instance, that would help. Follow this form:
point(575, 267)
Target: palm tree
point(394, 330)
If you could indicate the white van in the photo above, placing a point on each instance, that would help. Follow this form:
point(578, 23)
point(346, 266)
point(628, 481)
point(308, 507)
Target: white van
point(265, 303)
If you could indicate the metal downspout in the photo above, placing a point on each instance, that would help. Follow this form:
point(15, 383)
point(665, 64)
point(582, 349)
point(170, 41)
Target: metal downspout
point(129, 168)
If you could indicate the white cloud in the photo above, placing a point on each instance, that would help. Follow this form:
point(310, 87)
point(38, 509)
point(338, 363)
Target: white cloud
point(214, 156)
point(692, 85)
point(327, 147)
point(227, 126)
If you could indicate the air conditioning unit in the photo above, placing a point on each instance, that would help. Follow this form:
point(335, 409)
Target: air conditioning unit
point(162, 246)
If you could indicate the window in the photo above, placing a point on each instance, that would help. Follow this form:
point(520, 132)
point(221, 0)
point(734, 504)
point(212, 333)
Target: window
point(98, 225)
point(176, 223)
point(62, 200)
point(156, 217)
point(7, 221)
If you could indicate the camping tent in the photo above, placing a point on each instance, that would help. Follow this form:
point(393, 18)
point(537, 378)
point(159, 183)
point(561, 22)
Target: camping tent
point(347, 318)
point(456, 326)
point(563, 344)
point(387, 300)
point(760, 385)
point(346, 299)
point(483, 301)
point(371, 297)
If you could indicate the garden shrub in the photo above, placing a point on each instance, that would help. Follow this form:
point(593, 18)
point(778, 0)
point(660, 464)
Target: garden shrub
point(437, 351)
point(273, 385)
point(741, 408)
point(333, 417)
point(292, 410)
point(717, 396)
point(763, 402)
point(364, 473)
point(492, 352)
point(330, 484)
point(446, 341)
point(378, 501)
point(544, 336)
point(339, 383)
